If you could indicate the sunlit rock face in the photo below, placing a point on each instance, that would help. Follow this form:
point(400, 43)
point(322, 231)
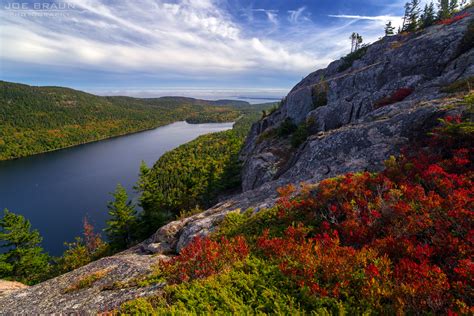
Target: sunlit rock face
point(355, 132)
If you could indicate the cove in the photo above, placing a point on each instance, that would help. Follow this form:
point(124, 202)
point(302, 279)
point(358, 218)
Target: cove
point(56, 190)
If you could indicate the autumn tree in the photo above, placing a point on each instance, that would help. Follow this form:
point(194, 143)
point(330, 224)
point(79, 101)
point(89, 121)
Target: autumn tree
point(23, 258)
point(92, 240)
point(122, 219)
point(83, 250)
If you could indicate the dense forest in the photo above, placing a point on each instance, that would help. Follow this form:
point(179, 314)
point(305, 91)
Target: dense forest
point(41, 119)
point(193, 175)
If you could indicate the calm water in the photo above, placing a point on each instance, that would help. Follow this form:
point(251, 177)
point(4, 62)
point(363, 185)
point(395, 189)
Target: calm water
point(56, 190)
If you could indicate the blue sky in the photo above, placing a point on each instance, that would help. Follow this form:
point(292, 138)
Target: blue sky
point(200, 48)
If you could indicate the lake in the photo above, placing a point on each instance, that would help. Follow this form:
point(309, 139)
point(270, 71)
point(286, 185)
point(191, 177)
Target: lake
point(56, 190)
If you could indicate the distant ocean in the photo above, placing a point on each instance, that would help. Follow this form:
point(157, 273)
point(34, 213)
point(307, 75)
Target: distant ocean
point(256, 96)
point(252, 100)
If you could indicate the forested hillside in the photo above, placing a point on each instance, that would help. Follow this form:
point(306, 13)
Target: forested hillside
point(40, 119)
point(193, 175)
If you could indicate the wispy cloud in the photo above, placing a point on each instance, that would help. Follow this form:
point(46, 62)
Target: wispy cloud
point(296, 16)
point(194, 36)
point(199, 41)
point(272, 15)
point(363, 17)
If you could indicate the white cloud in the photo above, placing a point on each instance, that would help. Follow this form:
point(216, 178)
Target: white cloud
point(379, 20)
point(296, 15)
point(272, 15)
point(362, 17)
point(187, 38)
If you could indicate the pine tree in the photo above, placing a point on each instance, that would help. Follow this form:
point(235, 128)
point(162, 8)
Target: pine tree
point(23, 259)
point(413, 15)
point(428, 17)
point(122, 219)
point(353, 39)
point(443, 9)
point(359, 41)
point(389, 29)
point(406, 17)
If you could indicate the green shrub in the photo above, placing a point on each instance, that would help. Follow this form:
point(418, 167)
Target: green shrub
point(188, 213)
point(286, 128)
point(275, 107)
point(267, 134)
point(319, 93)
point(300, 135)
point(469, 101)
point(252, 287)
point(250, 224)
point(351, 58)
point(139, 306)
point(319, 98)
point(86, 281)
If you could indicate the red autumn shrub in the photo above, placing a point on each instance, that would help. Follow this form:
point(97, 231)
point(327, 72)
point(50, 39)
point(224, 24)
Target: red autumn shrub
point(418, 214)
point(397, 96)
point(326, 268)
point(420, 286)
point(454, 19)
point(204, 257)
point(395, 242)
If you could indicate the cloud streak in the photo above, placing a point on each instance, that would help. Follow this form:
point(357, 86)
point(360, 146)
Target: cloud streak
point(193, 40)
point(362, 17)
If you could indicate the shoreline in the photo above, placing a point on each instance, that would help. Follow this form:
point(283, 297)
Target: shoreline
point(112, 137)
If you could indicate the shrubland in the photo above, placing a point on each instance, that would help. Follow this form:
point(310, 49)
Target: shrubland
point(394, 242)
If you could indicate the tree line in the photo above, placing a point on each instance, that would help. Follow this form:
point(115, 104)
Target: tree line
point(416, 18)
point(40, 119)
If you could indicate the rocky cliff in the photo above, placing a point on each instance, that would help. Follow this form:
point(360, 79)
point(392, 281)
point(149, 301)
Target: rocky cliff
point(350, 132)
point(354, 117)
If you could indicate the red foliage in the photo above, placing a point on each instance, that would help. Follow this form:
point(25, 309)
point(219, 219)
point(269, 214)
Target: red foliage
point(401, 238)
point(204, 257)
point(454, 19)
point(421, 286)
point(322, 265)
point(417, 215)
point(92, 239)
point(397, 96)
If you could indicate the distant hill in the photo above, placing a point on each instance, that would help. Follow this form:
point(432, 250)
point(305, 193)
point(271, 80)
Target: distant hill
point(233, 103)
point(41, 119)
